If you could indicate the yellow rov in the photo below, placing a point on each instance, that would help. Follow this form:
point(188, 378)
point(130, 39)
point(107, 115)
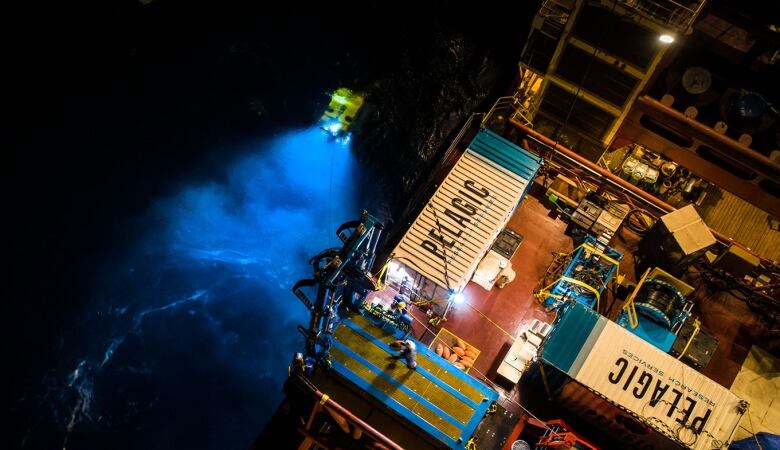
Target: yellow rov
point(343, 108)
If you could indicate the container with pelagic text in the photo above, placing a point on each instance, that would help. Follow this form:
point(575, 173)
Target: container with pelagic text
point(459, 224)
point(632, 390)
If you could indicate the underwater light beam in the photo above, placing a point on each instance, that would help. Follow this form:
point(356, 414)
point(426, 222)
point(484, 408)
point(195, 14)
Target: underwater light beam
point(239, 245)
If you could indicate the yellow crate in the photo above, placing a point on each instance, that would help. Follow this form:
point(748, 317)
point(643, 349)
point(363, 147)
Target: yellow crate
point(449, 339)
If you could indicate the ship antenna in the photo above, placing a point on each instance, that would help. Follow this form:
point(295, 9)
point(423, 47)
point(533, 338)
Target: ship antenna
point(443, 246)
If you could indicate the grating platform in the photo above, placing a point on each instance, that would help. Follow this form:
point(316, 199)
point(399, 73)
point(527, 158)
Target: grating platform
point(443, 401)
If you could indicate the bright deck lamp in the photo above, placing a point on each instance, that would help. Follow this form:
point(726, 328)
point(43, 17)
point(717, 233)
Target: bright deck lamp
point(458, 298)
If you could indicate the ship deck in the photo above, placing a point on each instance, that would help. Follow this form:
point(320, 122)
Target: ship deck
point(447, 403)
point(488, 318)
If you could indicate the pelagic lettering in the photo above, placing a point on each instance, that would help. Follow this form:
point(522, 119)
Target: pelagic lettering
point(673, 381)
point(645, 382)
point(460, 211)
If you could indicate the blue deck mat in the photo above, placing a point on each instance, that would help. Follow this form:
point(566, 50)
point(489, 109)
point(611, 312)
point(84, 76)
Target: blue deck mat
point(463, 379)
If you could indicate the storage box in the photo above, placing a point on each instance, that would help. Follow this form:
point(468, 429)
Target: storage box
point(448, 339)
point(737, 261)
point(566, 190)
point(610, 219)
point(520, 355)
point(586, 214)
point(701, 349)
point(676, 240)
point(613, 373)
point(690, 232)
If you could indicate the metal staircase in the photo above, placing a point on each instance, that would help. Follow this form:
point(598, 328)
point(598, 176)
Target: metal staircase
point(553, 15)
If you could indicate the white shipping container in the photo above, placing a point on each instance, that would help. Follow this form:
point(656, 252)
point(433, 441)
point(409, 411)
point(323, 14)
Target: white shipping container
point(654, 387)
point(472, 205)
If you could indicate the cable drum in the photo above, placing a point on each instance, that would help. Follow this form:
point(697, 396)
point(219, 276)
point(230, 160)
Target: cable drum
point(660, 302)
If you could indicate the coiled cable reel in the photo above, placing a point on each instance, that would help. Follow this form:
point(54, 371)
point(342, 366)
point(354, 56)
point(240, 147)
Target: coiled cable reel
point(660, 302)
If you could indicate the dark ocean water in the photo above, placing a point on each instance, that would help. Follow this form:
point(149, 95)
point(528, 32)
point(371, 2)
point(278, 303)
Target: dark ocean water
point(168, 184)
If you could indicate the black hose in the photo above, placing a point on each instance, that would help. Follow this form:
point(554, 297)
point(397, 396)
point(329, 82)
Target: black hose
point(634, 222)
point(764, 305)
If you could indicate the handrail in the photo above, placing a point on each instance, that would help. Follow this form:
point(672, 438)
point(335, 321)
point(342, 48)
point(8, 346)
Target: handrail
point(323, 400)
point(506, 103)
point(738, 151)
point(422, 189)
point(595, 169)
point(458, 138)
point(665, 12)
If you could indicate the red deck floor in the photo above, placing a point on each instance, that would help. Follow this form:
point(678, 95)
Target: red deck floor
point(514, 307)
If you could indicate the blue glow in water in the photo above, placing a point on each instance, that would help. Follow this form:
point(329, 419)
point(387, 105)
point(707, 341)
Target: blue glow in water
point(195, 330)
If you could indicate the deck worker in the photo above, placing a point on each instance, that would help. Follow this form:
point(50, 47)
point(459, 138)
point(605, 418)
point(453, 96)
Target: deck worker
point(400, 301)
point(399, 310)
point(408, 353)
point(303, 365)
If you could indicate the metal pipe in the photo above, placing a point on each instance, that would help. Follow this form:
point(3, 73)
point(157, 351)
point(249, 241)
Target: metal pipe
point(741, 153)
point(325, 400)
point(591, 172)
point(612, 177)
point(593, 166)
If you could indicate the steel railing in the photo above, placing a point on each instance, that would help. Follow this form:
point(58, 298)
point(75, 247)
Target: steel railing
point(665, 12)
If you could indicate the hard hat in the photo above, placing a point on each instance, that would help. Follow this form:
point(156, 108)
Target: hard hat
point(401, 298)
point(400, 305)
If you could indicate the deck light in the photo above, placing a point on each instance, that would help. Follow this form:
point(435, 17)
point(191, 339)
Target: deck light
point(666, 38)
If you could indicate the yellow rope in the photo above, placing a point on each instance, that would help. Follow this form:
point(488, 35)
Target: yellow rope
point(427, 302)
point(545, 293)
point(593, 249)
point(491, 321)
point(585, 286)
point(384, 268)
point(378, 285)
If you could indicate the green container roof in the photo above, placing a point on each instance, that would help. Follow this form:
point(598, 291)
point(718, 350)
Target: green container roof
point(571, 338)
point(506, 154)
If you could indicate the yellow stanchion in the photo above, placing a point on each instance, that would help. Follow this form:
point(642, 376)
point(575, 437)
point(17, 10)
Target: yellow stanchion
point(696, 328)
point(633, 320)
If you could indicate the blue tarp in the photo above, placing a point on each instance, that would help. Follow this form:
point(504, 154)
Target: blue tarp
point(767, 440)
